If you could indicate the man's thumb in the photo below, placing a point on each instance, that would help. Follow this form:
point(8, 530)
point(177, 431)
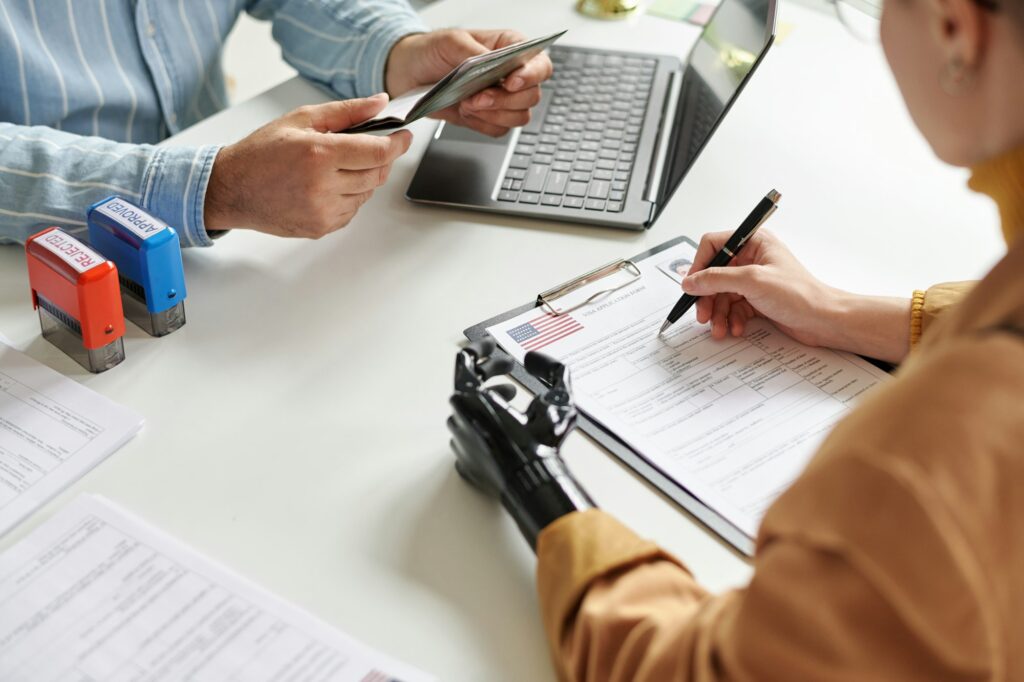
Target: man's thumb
point(736, 280)
point(463, 46)
point(343, 114)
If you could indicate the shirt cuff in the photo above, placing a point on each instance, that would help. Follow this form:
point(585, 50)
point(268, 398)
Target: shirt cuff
point(174, 190)
point(374, 59)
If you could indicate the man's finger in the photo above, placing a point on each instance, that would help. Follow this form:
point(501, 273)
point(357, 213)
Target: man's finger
point(530, 74)
point(494, 39)
point(454, 116)
point(462, 45)
point(503, 119)
point(484, 127)
point(359, 181)
point(493, 99)
point(363, 152)
point(351, 203)
point(343, 114)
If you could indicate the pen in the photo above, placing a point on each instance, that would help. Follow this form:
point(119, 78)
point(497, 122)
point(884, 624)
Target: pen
point(747, 229)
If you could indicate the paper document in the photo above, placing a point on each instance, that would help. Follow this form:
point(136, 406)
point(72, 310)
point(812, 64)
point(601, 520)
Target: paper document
point(52, 431)
point(732, 421)
point(97, 594)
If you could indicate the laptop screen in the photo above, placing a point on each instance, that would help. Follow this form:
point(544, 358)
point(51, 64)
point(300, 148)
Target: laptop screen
point(729, 48)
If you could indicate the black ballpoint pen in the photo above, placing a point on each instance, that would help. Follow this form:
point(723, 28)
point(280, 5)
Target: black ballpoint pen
point(747, 229)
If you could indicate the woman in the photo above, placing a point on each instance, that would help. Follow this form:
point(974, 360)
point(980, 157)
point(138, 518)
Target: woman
point(899, 554)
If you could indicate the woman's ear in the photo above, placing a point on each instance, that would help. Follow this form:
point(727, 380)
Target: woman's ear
point(961, 31)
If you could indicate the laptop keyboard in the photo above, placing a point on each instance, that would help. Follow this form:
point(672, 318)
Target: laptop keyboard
point(580, 153)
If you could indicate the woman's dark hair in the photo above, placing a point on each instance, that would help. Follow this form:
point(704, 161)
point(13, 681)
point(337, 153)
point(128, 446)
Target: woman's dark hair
point(1015, 8)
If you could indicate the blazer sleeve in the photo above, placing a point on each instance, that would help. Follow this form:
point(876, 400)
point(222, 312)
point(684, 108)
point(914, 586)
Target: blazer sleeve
point(928, 306)
point(826, 606)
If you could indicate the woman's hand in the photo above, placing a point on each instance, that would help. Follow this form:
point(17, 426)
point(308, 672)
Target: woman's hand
point(766, 280)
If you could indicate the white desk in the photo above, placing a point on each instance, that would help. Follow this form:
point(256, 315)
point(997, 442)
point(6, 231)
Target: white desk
point(296, 424)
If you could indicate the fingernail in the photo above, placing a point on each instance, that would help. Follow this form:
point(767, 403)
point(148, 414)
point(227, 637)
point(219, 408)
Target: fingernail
point(380, 95)
point(514, 83)
point(483, 101)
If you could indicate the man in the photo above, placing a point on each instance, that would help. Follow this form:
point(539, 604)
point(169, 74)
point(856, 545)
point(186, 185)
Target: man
point(89, 85)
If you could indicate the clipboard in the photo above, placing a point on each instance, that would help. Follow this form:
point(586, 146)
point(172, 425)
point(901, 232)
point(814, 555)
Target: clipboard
point(625, 453)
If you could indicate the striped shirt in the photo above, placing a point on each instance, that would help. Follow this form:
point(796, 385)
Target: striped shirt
point(88, 86)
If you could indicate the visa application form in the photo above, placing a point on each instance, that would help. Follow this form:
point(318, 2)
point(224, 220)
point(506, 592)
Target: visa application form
point(733, 421)
point(53, 431)
point(97, 594)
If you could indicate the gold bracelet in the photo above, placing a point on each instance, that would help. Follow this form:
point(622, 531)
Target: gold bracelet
point(916, 317)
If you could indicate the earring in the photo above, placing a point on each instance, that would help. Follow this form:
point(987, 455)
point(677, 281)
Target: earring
point(956, 78)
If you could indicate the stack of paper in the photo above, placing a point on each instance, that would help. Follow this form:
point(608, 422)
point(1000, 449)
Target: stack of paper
point(52, 431)
point(96, 594)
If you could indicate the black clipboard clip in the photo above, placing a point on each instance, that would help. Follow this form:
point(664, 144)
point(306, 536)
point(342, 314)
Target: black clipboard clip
point(547, 298)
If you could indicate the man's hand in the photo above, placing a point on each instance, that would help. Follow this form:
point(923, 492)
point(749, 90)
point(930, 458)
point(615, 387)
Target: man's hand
point(295, 177)
point(423, 59)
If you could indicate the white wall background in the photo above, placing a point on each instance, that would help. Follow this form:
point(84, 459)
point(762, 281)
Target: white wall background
point(252, 60)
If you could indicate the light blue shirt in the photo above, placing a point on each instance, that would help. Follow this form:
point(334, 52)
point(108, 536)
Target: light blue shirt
point(88, 86)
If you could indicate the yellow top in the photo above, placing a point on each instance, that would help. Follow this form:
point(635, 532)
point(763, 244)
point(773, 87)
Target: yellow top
point(1002, 178)
point(896, 556)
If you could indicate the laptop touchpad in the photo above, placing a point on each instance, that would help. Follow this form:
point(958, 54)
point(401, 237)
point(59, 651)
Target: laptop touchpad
point(459, 134)
point(459, 167)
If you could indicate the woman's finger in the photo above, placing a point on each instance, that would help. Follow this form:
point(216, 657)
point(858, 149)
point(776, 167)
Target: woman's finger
point(709, 245)
point(720, 317)
point(705, 306)
point(739, 315)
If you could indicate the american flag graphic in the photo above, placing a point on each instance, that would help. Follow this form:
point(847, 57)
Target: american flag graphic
point(544, 330)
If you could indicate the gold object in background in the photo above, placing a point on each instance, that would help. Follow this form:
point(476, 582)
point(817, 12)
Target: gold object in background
point(607, 9)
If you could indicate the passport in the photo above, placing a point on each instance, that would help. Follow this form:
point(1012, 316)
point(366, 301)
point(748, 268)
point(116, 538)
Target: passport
point(468, 78)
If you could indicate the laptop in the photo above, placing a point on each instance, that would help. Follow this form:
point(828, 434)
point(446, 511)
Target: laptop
point(614, 133)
